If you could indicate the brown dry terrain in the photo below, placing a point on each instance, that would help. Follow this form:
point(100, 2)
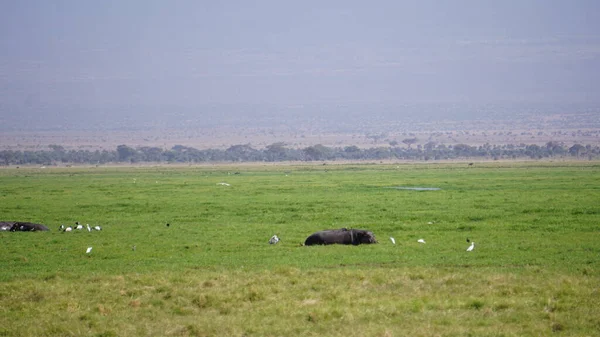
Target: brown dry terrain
point(565, 129)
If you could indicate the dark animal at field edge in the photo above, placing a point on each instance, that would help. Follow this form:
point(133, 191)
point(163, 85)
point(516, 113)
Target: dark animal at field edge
point(342, 236)
point(18, 226)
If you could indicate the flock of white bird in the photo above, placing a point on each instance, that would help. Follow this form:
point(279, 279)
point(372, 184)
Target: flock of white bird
point(79, 227)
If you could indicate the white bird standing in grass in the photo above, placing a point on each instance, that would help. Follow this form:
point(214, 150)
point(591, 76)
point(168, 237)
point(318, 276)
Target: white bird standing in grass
point(274, 239)
point(88, 250)
point(223, 184)
point(471, 247)
point(98, 228)
point(89, 228)
point(421, 241)
point(393, 240)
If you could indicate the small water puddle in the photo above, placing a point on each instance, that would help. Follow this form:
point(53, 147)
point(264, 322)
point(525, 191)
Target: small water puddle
point(415, 188)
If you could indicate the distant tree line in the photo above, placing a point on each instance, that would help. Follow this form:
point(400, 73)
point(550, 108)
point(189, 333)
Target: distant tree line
point(278, 152)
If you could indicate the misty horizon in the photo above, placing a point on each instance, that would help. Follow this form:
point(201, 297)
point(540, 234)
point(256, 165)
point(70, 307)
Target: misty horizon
point(145, 64)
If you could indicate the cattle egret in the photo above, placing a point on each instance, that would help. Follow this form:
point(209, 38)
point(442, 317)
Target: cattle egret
point(421, 241)
point(98, 228)
point(68, 229)
point(89, 228)
point(223, 184)
point(393, 240)
point(430, 223)
point(471, 247)
point(79, 226)
point(88, 250)
point(273, 240)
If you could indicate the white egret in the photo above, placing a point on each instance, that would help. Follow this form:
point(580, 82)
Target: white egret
point(273, 240)
point(89, 228)
point(88, 250)
point(98, 228)
point(471, 247)
point(223, 184)
point(393, 240)
point(421, 241)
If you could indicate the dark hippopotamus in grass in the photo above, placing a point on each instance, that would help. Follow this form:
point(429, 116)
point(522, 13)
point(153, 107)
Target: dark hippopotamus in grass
point(342, 236)
point(18, 226)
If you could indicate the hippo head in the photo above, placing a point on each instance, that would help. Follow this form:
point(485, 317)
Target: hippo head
point(366, 237)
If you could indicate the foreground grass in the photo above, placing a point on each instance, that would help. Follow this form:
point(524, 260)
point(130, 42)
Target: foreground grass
point(291, 301)
point(534, 270)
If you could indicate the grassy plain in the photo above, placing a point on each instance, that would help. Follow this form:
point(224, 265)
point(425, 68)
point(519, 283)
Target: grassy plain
point(535, 270)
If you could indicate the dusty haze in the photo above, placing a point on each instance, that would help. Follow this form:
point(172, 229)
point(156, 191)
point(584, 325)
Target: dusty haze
point(96, 74)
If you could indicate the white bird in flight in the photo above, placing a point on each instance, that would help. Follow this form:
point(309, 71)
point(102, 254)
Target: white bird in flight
point(421, 241)
point(471, 247)
point(88, 250)
point(393, 240)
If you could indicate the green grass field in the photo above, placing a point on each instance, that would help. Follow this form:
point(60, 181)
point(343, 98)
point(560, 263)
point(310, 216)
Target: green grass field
point(535, 269)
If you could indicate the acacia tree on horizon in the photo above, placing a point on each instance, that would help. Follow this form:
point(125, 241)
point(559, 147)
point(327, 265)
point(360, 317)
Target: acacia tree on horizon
point(409, 141)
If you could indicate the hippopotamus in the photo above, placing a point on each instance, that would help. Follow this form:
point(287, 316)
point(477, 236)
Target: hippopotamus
point(26, 226)
point(343, 236)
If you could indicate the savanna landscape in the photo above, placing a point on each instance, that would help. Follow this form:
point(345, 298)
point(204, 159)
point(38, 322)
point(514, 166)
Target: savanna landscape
point(152, 152)
point(534, 270)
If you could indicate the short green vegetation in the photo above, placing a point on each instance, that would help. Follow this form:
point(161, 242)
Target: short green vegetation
point(535, 269)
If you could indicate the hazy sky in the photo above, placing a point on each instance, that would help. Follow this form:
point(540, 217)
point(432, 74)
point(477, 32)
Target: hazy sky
point(92, 57)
